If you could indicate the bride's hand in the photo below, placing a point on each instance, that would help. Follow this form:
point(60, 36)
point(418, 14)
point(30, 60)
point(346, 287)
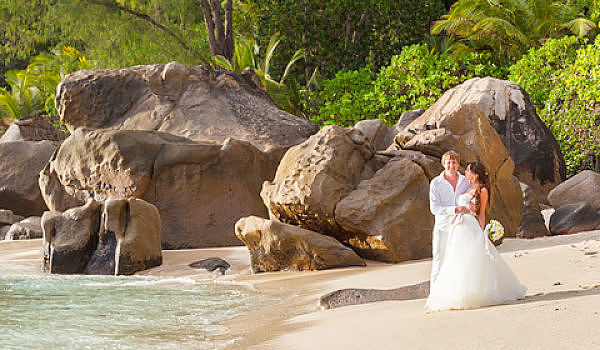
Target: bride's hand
point(461, 210)
point(472, 207)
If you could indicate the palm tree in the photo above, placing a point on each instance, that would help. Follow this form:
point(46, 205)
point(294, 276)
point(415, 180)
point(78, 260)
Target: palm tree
point(509, 28)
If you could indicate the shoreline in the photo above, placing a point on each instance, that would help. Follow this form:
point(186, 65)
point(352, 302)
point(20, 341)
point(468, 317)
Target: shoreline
point(561, 308)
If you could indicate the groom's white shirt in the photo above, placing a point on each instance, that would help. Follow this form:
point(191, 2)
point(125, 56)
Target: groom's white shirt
point(442, 203)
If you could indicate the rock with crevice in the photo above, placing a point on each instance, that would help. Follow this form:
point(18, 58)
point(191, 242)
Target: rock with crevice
point(380, 136)
point(532, 224)
point(432, 166)
point(275, 246)
point(116, 237)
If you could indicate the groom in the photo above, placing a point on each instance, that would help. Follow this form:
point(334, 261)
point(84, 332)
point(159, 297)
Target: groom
point(444, 191)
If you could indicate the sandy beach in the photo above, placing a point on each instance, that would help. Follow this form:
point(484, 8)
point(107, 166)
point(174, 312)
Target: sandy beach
point(561, 309)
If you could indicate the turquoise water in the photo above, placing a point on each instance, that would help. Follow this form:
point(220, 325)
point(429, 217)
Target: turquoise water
point(105, 312)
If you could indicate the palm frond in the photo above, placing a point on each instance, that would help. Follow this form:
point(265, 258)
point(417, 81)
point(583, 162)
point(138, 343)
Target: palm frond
point(297, 56)
point(580, 26)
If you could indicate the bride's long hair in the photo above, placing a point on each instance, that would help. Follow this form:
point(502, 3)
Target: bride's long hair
point(484, 181)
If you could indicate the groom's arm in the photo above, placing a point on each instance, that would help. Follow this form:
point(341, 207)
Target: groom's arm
point(436, 206)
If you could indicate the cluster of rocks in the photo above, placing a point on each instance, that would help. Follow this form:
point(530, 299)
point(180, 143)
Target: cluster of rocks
point(192, 142)
point(171, 156)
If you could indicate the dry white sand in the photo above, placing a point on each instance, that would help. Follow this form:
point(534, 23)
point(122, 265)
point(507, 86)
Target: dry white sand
point(560, 311)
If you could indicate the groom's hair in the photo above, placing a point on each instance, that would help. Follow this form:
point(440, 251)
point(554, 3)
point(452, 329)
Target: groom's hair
point(451, 154)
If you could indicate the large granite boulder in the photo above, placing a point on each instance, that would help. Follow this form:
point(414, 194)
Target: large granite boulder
point(573, 218)
point(314, 176)
point(117, 237)
point(29, 228)
point(194, 102)
point(530, 144)
point(450, 124)
point(200, 189)
point(34, 129)
point(276, 246)
point(387, 216)
point(20, 165)
point(583, 187)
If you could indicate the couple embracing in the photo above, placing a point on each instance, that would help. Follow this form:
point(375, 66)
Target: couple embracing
point(467, 271)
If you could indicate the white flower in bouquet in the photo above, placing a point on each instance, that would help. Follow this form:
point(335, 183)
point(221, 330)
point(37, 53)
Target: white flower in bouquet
point(495, 231)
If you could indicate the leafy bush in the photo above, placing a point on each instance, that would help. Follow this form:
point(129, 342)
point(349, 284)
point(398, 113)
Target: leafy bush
point(563, 80)
point(536, 71)
point(414, 79)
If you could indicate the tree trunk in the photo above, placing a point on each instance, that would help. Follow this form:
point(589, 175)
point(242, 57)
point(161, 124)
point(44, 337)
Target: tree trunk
point(219, 30)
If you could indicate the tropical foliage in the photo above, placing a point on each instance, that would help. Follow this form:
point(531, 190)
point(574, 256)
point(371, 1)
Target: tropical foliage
point(246, 55)
point(335, 35)
point(563, 78)
point(508, 28)
point(32, 90)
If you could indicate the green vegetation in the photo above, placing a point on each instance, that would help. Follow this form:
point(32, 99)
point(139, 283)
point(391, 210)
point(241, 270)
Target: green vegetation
point(563, 80)
point(340, 34)
point(32, 90)
point(246, 55)
point(414, 79)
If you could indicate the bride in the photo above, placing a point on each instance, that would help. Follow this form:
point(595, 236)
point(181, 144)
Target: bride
point(473, 273)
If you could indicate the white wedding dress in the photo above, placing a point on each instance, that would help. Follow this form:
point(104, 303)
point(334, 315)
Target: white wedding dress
point(473, 273)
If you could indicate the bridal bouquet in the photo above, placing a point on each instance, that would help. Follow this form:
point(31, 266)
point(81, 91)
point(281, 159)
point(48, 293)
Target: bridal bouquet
point(495, 231)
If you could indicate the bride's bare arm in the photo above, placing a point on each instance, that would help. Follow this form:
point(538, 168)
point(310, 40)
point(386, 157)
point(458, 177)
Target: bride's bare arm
point(484, 199)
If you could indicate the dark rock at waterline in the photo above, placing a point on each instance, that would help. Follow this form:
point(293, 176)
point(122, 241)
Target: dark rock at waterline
point(211, 264)
point(116, 237)
point(354, 296)
point(573, 218)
